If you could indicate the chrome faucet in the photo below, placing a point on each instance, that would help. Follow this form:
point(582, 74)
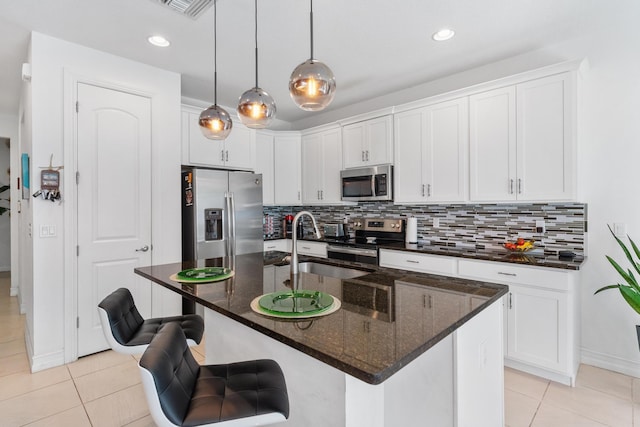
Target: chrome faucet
point(294, 236)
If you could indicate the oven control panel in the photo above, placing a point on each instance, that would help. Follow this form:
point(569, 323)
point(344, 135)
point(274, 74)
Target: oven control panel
point(379, 224)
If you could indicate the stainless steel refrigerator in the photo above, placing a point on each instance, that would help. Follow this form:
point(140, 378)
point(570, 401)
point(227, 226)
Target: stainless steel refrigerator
point(221, 213)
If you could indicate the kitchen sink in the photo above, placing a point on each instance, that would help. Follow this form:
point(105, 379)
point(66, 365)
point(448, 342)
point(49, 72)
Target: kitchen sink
point(330, 270)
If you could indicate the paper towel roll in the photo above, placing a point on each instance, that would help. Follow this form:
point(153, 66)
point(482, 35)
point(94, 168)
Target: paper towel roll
point(412, 230)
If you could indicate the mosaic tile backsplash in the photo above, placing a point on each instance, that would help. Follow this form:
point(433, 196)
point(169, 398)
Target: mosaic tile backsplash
point(465, 225)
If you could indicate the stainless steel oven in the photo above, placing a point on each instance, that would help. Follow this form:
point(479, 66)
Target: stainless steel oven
point(366, 184)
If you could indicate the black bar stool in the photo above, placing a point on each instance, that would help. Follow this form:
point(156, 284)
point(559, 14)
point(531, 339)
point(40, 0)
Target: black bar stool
point(180, 392)
point(127, 332)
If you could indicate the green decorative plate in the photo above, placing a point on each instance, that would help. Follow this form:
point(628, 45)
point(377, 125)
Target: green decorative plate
point(295, 303)
point(203, 275)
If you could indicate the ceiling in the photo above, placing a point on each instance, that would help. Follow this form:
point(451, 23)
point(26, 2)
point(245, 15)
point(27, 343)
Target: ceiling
point(374, 47)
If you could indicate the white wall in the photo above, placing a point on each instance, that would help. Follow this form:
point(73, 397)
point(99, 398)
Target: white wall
point(50, 336)
point(609, 176)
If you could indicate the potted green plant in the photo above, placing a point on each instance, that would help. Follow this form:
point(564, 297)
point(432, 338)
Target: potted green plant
point(629, 288)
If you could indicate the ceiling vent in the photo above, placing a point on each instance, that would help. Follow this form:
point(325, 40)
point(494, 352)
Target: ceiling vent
point(191, 8)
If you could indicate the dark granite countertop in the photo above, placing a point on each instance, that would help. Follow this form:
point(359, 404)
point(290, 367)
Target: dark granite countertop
point(536, 257)
point(388, 317)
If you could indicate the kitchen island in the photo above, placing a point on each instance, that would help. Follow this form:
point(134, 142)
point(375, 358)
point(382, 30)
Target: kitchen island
point(404, 349)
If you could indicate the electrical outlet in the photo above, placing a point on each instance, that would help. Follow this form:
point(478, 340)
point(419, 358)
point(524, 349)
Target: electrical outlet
point(540, 227)
point(620, 229)
point(436, 222)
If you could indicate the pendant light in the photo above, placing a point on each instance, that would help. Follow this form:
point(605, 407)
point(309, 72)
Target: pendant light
point(312, 84)
point(215, 123)
point(256, 108)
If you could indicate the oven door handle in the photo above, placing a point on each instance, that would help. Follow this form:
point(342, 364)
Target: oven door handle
point(357, 251)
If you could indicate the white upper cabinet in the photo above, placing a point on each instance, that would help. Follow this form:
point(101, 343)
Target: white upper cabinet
point(265, 165)
point(522, 141)
point(287, 172)
point(235, 152)
point(369, 142)
point(321, 165)
point(431, 153)
point(492, 157)
point(545, 138)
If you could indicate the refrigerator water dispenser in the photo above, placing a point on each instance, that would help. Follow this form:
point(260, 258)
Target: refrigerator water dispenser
point(213, 224)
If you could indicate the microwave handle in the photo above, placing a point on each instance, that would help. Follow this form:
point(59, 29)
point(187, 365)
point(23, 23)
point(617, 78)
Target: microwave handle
point(373, 185)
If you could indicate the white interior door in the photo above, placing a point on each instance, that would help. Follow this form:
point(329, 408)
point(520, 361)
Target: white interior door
point(114, 203)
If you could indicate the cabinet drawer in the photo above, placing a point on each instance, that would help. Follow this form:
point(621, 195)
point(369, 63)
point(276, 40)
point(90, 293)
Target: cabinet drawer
point(412, 261)
point(312, 249)
point(276, 245)
point(510, 273)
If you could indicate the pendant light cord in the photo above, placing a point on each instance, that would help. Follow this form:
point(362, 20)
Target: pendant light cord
point(256, 38)
point(215, 54)
point(311, 27)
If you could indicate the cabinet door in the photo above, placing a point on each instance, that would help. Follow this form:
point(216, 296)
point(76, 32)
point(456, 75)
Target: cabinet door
point(379, 141)
point(407, 173)
point(240, 151)
point(537, 327)
point(545, 139)
point(353, 145)
point(286, 172)
point(264, 166)
point(331, 186)
point(445, 152)
point(492, 157)
point(203, 151)
point(312, 168)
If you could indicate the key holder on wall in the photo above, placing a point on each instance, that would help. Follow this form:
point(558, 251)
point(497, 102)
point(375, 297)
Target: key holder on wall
point(50, 182)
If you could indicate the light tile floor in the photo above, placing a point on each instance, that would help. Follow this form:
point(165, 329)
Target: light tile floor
point(104, 390)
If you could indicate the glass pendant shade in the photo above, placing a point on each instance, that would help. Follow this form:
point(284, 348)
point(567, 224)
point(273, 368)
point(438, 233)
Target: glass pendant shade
point(215, 123)
point(256, 108)
point(312, 85)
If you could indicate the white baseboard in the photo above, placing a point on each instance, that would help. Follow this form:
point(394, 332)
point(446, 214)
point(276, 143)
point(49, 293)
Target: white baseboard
point(612, 363)
point(41, 362)
point(13, 292)
point(558, 377)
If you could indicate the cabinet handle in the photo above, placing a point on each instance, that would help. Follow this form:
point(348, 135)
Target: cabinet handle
point(510, 186)
point(423, 190)
point(271, 247)
point(424, 300)
point(362, 155)
point(430, 301)
point(321, 194)
point(413, 261)
point(318, 194)
point(510, 301)
point(222, 155)
point(306, 247)
point(298, 195)
point(507, 274)
point(367, 155)
point(519, 186)
point(428, 190)
point(226, 157)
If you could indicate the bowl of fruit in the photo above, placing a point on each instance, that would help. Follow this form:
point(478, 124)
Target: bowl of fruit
point(520, 245)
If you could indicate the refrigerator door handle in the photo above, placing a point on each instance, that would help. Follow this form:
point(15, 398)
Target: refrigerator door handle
point(232, 213)
point(227, 225)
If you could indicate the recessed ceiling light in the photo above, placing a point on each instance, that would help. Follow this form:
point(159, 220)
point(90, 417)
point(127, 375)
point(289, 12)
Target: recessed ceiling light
point(443, 34)
point(159, 41)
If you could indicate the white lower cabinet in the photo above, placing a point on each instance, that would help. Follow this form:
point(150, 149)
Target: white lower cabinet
point(541, 317)
point(541, 310)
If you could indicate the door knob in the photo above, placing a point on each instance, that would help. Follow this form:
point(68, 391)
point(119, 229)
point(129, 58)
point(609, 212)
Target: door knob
point(145, 248)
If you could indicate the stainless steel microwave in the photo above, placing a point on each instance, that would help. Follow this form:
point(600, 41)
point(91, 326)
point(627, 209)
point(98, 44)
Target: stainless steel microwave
point(370, 183)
